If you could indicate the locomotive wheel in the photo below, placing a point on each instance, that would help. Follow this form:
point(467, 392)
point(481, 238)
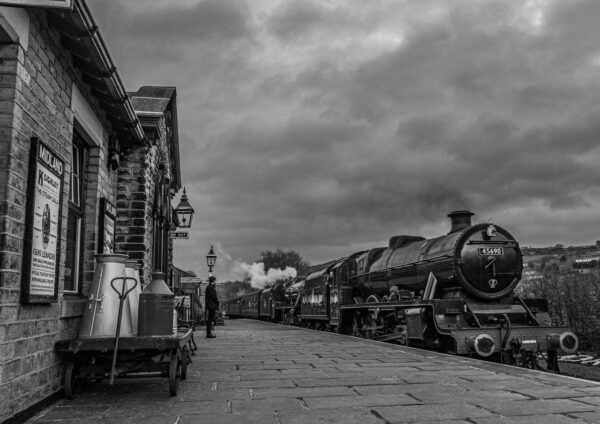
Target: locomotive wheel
point(357, 326)
point(370, 330)
point(174, 373)
point(185, 358)
point(72, 380)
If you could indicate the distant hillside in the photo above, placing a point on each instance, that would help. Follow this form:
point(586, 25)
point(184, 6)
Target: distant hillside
point(560, 258)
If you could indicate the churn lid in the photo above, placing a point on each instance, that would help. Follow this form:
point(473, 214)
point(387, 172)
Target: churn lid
point(158, 285)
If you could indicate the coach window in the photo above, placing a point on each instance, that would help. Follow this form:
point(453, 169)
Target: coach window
point(73, 268)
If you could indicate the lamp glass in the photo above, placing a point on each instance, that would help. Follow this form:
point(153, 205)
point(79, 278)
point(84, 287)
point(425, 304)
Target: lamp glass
point(184, 217)
point(184, 212)
point(211, 258)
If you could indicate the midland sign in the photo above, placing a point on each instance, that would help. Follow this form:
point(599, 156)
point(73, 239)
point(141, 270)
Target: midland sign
point(178, 234)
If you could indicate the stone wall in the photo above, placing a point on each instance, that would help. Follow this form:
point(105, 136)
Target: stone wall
point(35, 100)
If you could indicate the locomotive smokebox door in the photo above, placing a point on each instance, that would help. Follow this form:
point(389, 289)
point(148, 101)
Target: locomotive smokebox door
point(490, 267)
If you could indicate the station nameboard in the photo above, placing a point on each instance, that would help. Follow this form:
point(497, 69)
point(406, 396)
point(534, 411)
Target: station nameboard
point(195, 280)
point(178, 234)
point(62, 4)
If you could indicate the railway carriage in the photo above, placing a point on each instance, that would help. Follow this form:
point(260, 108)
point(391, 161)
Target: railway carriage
point(271, 300)
point(232, 307)
point(250, 305)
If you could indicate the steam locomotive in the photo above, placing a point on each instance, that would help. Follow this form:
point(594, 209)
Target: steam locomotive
point(454, 293)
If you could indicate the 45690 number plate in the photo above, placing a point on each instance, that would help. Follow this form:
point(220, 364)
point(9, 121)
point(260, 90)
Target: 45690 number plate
point(491, 251)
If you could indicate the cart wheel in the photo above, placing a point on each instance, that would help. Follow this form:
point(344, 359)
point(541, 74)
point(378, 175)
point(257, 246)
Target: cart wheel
point(174, 373)
point(184, 362)
point(72, 380)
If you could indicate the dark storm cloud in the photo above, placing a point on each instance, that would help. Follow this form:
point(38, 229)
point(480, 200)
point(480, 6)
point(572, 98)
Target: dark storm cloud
point(216, 19)
point(329, 126)
point(177, 22)
point(295, 19)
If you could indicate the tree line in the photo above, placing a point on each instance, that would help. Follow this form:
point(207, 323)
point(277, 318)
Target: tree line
point(573, 301)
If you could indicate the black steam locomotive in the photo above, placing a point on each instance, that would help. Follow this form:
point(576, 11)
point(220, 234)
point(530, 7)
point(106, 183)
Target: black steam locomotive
point(453, 293)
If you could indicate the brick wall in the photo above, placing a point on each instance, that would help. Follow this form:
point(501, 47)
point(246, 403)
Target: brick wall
point(140, 170)
point(134, 197)
point(35, 96)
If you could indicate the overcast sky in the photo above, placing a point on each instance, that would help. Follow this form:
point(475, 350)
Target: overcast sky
point(328, 126)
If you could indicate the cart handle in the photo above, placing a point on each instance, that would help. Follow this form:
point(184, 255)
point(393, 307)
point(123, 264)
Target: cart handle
point(121, 293)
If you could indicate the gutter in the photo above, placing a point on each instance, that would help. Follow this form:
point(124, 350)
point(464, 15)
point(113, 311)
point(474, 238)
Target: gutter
point(82, 10)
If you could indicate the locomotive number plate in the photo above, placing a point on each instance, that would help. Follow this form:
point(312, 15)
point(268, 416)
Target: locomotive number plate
point(491, 251)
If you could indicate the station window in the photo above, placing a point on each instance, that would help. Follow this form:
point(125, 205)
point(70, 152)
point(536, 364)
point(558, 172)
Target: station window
point(160, 213)
point(73, 268)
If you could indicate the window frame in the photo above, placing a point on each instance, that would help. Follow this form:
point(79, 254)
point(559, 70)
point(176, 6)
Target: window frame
point(76, 209)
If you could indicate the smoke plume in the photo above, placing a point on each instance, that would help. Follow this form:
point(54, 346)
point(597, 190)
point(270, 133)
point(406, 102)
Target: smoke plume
point(260, 279)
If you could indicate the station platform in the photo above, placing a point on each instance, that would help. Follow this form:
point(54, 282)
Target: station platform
point(257, 372)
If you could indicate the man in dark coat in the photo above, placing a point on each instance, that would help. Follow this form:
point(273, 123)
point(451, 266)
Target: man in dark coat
point(211, 304)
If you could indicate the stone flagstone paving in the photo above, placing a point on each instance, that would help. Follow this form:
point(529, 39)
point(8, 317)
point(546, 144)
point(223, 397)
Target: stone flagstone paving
point(256, 372)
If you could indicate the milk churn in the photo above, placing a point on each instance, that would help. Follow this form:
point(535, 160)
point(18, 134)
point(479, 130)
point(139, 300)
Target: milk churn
point(102, 309)
point(132, 270)
point(155, 316)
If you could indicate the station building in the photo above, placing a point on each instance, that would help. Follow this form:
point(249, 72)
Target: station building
point(85, 168)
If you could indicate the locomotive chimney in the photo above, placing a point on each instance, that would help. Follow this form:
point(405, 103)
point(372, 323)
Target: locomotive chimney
point(460, 220)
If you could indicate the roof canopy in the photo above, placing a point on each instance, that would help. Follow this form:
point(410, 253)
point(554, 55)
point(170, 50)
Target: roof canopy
point(151, 104)
point(80, 35)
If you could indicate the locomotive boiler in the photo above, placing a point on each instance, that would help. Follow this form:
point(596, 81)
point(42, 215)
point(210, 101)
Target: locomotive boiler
point(482, 261)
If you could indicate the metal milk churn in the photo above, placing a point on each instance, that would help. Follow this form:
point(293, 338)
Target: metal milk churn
point(102, 310)
point(155, 317)
point(132, 270)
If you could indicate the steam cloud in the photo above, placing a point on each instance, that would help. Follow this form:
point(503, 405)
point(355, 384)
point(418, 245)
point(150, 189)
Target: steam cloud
point(259, 279)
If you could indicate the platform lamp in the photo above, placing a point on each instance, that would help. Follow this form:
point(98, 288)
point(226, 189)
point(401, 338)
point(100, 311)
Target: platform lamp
point(184, 212)
point(211, 258)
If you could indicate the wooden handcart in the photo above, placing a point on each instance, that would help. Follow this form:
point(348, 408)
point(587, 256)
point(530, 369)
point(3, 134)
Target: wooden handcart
point(92, 359)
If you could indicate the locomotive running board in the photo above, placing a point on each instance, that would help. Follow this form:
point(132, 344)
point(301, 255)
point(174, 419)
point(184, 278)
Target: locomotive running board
point(385, 305)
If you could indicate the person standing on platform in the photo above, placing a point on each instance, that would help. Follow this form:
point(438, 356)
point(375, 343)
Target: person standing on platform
point(211, 304)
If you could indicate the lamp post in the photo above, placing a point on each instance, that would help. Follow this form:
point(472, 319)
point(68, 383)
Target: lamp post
point(211, 258)
point(184, 212)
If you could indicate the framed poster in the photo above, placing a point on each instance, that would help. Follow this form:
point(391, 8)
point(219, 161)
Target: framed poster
point(106, 238)
point(41, 255)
